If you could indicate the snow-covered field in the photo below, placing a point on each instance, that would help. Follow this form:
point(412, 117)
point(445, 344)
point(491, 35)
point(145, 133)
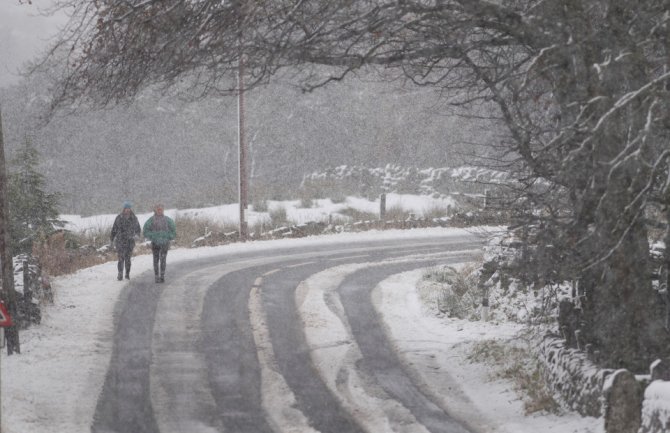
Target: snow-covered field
point(229, 213)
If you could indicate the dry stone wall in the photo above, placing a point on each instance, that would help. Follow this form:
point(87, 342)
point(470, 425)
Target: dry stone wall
point(626, 402)
point(573, 376)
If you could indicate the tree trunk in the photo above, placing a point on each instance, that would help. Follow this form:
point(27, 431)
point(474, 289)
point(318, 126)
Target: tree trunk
point(625, 325)
point(8, 293)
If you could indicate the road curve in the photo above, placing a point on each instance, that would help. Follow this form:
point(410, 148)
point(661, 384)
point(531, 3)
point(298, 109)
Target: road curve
point(277, 340)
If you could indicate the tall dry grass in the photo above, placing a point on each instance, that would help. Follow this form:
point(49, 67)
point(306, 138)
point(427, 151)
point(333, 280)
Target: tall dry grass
point(189, 229)
point(513, 361)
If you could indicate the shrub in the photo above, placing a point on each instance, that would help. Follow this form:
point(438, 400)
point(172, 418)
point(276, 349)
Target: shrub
point(338, 198)
point(306, 203)
point(260, 205)
point(396, 213)
point(278, 216)
point(457, 293)
point(436, 211)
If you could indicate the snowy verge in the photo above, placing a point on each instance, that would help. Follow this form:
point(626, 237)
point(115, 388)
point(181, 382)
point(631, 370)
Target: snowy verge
point(53, 384)
point(435, 350)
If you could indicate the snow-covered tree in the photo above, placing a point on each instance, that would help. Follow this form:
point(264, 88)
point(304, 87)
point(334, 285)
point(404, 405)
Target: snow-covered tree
point(33, 211)
point(580, 88)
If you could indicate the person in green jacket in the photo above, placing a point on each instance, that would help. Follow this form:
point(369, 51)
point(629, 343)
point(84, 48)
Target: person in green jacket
point(160, 230)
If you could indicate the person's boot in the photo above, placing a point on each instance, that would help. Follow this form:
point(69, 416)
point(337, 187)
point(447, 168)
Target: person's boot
point(162, 278)
point(120, 276)
point(127, 276)
point(158, 279)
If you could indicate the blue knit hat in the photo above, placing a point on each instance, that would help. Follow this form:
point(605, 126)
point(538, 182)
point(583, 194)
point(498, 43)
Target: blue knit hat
point(127, 205)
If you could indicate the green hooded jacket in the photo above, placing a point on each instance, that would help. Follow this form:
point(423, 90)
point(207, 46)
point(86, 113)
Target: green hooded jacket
point(158, 236)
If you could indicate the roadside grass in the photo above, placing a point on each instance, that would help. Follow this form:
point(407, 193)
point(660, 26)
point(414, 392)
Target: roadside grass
point(63, 262)
point(396, 213)
point(437, 211)
point(190, 229)
point(512, 360)
point(96, 236)
point(358, 215)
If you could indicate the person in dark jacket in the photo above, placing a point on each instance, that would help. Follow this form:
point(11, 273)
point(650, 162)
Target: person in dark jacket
point(125, 230)
point(160, 230)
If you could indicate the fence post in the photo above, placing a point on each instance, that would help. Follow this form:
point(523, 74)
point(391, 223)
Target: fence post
point(382, 207)
point(485, 309)
point(623, 403)
point(660, 370)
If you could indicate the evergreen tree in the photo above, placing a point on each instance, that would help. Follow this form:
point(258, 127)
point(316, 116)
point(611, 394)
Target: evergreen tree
point(33, 212)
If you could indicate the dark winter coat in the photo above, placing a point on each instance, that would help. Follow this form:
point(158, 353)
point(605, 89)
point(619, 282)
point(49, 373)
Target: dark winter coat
point(160, 230)
point(124, 230)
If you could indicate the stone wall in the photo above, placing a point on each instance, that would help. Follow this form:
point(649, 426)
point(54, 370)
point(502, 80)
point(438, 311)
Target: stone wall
point(573, 376)
point(626, 402)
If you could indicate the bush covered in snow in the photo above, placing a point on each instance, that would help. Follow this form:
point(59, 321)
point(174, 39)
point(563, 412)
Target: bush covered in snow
point(452, 291)
point(462, 292)
point(31, 287)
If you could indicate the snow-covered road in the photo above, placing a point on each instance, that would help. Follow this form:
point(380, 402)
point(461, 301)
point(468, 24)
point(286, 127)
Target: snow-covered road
point(54, 386)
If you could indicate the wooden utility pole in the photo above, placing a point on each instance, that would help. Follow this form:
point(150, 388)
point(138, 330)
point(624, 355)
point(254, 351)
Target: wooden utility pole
point(241, 142)
point(242, 148)
point(7, 265)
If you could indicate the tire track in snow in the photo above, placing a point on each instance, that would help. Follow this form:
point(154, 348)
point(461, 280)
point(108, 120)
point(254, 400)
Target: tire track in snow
point(379, 358)
point(427, 363)
point(337, 356)
point(278, 399)
point(180, 390)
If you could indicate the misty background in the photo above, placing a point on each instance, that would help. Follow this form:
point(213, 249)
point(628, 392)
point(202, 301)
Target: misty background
point(185, 154)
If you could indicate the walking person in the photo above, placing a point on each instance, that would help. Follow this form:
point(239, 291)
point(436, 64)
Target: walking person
point(160, 230)
point(125, 230)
